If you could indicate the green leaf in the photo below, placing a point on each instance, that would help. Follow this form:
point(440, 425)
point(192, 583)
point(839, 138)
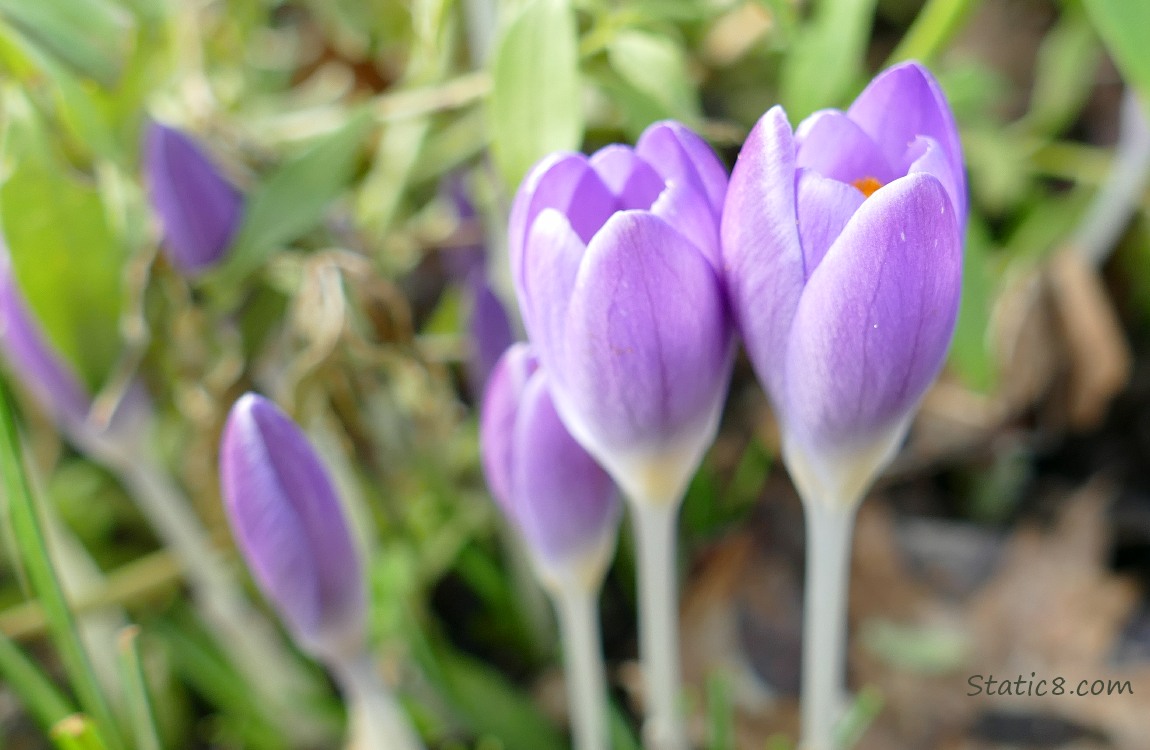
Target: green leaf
point(1064, 77)
point(66, 258)
point(91, 36)
point(934, 26)
point(77, 732)
point(827, 57)
point(1122, 24)
point(970, 351)
point(135, 686)
point(24, 515)
point(31, 685)
point(535, 106)
point(493, 707)
point(295, 198)
point(656, 67)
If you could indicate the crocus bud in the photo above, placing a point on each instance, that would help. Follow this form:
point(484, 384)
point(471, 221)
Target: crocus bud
point(842, 248)
point(563, 504)
point(199, 210)
point(40, 368)
point(291, 530)
point(614, 260)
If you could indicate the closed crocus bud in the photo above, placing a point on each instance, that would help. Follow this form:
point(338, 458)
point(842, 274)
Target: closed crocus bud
point(842, 251)
point(614, 258)
point(290, 527)
point(562, 503)
point(33, 359)
point(198, 209)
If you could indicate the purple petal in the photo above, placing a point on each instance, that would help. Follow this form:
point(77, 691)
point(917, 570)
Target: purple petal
point(497, 421)
point(876, 318)
point(831, 144)
point(903, 103)
point(551, 265)
point(199, 210)
point(762, 255)
point(565, 503)
point(634, 182)
point(682, 156)
point(567, 183)
point(648, 341)
point(685, 209)
point(290, 527)
point(41, 369)
point(825, 206)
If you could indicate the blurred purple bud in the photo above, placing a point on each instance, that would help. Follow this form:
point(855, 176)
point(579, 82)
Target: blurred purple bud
point(615, 260)
point(33, 359)
point(489, 330)
point(290, 527)
point(842, 245)
point(199, 210)
point(564, 505)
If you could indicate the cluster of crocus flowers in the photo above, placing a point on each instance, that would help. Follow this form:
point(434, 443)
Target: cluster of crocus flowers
point(290, 527)
point(835, 252)
point(199, 211)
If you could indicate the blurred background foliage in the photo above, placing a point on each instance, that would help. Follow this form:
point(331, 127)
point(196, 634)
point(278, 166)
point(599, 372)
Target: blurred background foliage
point(344, 121)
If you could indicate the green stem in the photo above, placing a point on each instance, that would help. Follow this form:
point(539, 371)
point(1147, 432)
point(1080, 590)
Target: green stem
point(829, 528)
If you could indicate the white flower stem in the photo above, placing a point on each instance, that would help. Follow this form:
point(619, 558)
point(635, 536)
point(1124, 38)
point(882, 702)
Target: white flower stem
point(376, 721)
point(578, 610)
point(659, 623)
point(829, 529)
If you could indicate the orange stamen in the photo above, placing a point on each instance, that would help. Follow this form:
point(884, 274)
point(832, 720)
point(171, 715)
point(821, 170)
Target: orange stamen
point(867, 185)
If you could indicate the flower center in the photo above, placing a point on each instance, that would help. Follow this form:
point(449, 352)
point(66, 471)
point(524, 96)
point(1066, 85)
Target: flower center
point(867, 186)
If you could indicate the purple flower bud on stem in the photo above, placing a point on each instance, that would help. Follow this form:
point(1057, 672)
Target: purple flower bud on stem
point(842, 244)
point(562, 503)
point(290, 527)
point(199, 210)
point(567, 510)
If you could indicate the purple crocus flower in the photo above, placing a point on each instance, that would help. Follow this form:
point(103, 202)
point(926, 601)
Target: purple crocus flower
point(290, 527)
point(561, 501)
point(199, 210)
point(615, 263)
point(842, 250)
point(33, 359)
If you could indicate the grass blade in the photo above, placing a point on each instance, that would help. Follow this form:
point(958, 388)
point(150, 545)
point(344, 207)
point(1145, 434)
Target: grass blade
point(33, 549)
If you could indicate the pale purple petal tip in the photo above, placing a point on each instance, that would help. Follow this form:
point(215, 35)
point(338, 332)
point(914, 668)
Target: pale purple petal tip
point(199, 210)
point(290, 527)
